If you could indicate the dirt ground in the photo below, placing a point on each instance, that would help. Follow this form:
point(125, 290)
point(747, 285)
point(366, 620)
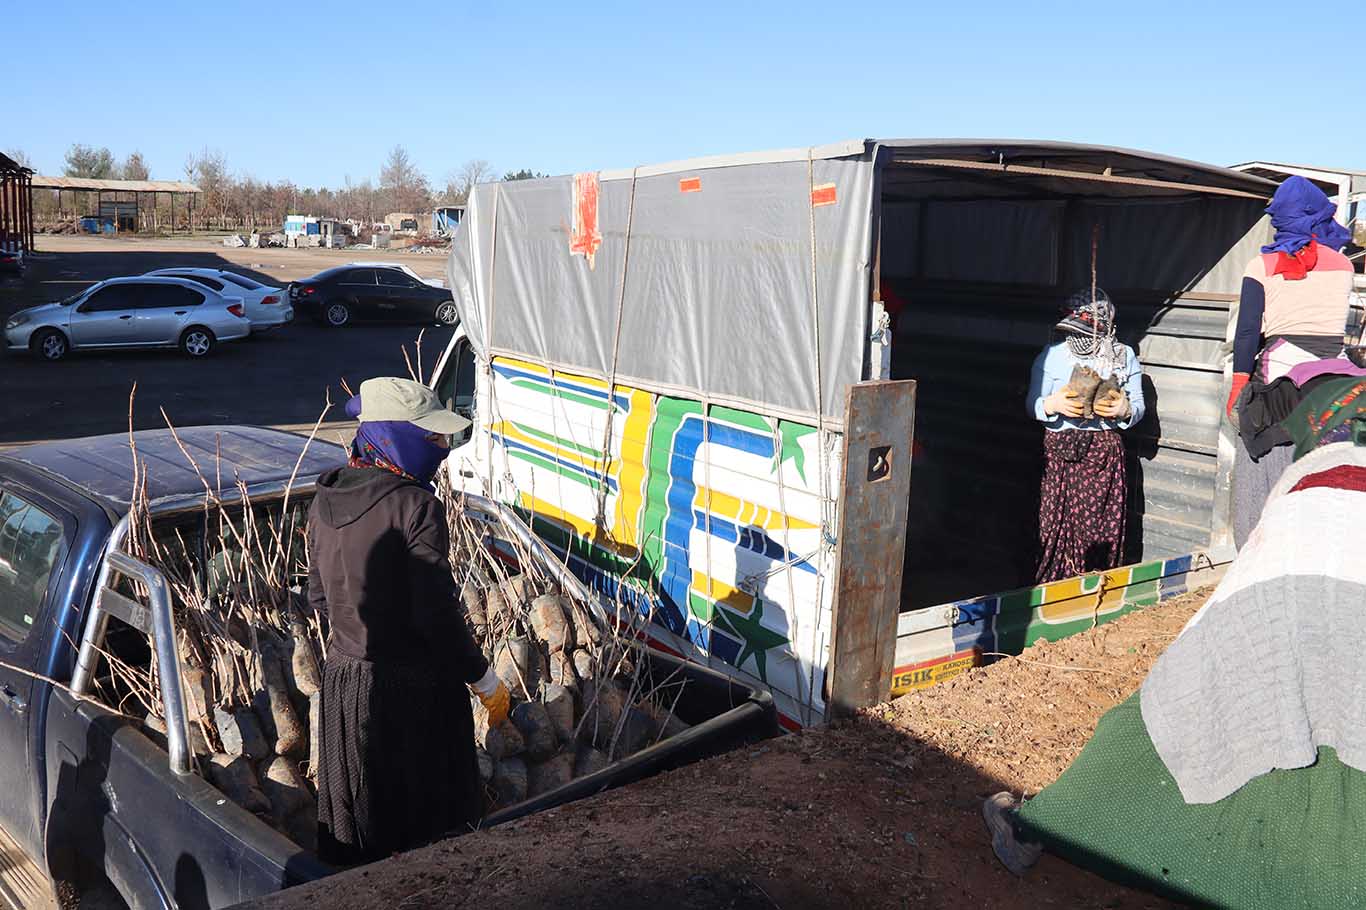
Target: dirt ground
point(281, 379)
point(880, 811)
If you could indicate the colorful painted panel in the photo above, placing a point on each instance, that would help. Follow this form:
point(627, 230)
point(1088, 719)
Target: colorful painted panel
point(938, 643)
point(707, 520)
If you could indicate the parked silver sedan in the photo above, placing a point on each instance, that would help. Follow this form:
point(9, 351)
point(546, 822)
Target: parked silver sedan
point(267, 307)
point(145, 312)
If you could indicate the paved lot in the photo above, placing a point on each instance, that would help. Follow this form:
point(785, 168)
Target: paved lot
point(279, 379)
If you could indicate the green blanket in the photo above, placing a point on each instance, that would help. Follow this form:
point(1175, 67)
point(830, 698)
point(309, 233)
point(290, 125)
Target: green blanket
point(1286, 839)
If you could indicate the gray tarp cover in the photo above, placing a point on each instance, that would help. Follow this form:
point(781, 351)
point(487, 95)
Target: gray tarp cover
point(719, 281)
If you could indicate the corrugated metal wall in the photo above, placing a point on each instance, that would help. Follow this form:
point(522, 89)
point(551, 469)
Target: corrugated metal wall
point(974, 484)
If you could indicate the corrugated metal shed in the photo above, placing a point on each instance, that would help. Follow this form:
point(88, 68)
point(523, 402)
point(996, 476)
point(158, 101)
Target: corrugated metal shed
point(113, 186)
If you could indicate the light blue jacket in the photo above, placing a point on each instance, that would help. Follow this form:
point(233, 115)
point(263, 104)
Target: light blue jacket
point(1052, 370)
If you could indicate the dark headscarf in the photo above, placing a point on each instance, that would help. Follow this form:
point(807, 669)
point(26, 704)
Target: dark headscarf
point(1301, 212)
point(394, 445)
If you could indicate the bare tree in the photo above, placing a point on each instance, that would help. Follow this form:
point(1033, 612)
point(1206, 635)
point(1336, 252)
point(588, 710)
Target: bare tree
point(459, 183)
point(402, 183)
point(20, 157)
point(86, 161)
point(134, 168)
point(210, 171)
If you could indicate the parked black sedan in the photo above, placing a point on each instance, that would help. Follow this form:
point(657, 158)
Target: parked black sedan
point(376, 291)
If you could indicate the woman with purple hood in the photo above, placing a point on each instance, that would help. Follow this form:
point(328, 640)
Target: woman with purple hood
point(1292, 315)
point(397, 767)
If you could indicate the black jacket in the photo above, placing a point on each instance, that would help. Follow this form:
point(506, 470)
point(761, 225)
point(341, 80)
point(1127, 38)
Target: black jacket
point(380, 569)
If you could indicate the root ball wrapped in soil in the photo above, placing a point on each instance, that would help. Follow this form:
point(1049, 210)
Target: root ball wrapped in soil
point(559, 706)
point(555, 771)
point(240, 733)
point(533, 722)
point(550, 621)
point(520, 665)
point(284, 786)
point(510, 781)
point(275, 710)
point(233, 775)
point(588, 760)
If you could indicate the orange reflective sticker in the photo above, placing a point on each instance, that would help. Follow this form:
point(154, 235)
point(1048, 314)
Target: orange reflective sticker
point(824, 194)
point(585, 238)
point(690, 185)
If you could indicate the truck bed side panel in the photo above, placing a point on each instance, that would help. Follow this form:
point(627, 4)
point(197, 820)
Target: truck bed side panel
point(158, 837)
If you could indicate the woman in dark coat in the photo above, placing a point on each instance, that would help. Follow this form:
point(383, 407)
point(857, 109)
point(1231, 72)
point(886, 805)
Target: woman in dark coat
point(397, 767)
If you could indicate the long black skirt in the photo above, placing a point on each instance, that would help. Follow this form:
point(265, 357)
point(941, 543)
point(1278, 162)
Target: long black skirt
point(398, 767)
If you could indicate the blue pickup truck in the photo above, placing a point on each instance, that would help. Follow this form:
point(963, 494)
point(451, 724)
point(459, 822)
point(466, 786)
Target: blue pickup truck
point(100, 808)
point(92, 803)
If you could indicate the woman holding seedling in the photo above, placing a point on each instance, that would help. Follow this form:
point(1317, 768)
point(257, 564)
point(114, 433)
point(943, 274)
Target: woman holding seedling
point(397, 767)
point(1085, 388)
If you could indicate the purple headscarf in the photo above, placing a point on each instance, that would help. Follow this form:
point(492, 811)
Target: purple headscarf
point(395, 445)
point(1298, 210)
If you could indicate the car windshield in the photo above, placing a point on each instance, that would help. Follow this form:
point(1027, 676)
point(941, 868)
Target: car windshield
point(241, 281)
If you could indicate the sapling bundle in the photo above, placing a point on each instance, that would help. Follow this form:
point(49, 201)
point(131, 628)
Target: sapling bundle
point(252, 646)
point(583, 695)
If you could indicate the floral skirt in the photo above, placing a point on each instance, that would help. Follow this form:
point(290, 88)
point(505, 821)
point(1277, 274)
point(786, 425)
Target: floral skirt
point(1082, 503)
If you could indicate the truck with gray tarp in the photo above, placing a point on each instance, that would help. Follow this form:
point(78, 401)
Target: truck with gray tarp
point(775, 401)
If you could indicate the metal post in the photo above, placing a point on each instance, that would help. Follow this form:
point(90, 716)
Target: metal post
point(28, 207)
point(4, 211)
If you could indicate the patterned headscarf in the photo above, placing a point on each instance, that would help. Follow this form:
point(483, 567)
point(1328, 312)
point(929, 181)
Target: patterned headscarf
point(394, 445)
point(1088, 325)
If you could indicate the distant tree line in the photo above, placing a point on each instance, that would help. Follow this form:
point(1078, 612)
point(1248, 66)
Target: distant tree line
point(236, 202)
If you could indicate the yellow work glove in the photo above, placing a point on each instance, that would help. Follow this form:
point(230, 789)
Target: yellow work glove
point(494, 696)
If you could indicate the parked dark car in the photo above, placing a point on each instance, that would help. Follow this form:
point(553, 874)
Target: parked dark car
point(372, 291)
point(11, 261)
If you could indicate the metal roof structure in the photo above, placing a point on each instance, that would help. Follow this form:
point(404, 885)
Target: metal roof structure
point(1332, 180)
point(113, 186)
point(1116, 166)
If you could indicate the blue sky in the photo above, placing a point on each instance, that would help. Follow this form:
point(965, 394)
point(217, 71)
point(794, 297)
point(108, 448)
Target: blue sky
point(317, 92)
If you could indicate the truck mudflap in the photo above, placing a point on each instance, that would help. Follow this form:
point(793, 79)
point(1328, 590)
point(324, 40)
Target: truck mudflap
point(724, 714)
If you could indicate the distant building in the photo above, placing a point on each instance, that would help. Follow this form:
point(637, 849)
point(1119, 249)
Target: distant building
point(445, 219)
point(404, 222)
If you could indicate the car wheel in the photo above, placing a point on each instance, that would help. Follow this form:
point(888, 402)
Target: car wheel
point(49, 344)
point(337, 314)
point(197, 341)
point(447, 314)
